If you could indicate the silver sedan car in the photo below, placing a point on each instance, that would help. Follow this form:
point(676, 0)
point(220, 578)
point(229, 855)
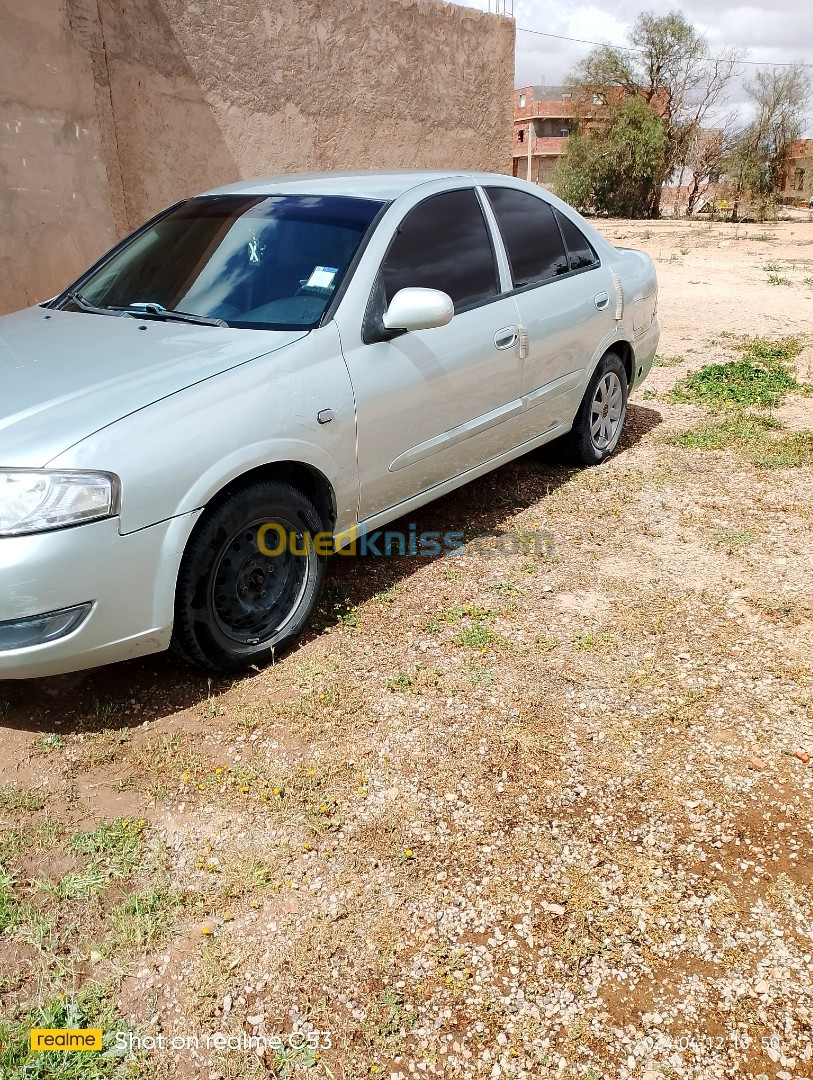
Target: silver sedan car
point(278, 362)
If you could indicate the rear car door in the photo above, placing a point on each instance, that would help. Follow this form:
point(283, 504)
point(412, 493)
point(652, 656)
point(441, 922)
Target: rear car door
point(565, 299)
point(431, 404)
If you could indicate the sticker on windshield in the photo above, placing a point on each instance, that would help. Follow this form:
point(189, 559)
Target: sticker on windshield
point(254, 250)
point(322, 277)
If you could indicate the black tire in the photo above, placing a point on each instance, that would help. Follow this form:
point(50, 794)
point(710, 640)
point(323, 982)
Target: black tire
point(585, 445)
point(225, 619)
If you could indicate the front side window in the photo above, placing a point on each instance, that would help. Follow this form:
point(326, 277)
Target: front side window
point(531, 235)
point(579, 249)
point(265, 262)
point(443, 244)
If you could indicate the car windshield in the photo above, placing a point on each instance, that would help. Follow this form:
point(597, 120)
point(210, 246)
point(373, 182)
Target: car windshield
point(267, 262)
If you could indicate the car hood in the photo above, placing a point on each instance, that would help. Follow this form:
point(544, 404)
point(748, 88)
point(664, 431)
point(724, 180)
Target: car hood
point(65, 375)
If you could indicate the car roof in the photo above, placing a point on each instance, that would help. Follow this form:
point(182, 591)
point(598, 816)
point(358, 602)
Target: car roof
point(365, 184)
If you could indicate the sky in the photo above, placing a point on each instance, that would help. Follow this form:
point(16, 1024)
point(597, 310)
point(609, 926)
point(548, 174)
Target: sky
point(779, 33)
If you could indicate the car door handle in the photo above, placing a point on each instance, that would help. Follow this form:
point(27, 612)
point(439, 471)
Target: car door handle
point(506, 338)
point(602, 300)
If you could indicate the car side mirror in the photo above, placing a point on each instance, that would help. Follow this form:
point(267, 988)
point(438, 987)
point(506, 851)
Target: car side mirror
point(418, 309)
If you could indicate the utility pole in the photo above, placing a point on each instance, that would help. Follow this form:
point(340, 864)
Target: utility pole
point(530, 128)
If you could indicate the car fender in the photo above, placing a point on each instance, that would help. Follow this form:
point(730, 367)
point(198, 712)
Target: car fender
point(175, 455)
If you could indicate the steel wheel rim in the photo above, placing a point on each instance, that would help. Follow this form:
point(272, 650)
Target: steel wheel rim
point(253, 595)
point(606, 411)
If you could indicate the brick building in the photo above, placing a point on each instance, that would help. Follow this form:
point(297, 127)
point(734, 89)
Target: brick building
point(544, 117)
point(798, 181)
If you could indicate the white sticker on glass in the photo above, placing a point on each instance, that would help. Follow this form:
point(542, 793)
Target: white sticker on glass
point(322, 277)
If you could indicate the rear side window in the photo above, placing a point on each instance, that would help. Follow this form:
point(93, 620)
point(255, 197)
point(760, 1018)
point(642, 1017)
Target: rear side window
point(579, 250)
point(531, 236)
point(444, 244)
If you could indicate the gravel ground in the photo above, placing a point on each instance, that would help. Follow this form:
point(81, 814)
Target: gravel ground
point(540, 815)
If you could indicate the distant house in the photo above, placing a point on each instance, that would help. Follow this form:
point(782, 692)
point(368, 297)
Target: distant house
point(797, 183)
point(544, 117)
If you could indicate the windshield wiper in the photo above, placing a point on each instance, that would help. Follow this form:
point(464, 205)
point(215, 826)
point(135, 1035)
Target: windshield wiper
point(85, 305)
point(158, 311)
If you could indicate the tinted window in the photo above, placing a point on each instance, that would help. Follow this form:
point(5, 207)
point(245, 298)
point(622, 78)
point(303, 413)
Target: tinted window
point(443, 244)
point(531, 236)
point(578, 246)
point(258, 261)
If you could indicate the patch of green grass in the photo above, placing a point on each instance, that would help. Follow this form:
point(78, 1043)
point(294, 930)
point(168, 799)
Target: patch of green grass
point(47, 832)
point(809, 281)
point(9, 907)
point(114, 846)
point(503, 588)
point(75, 885)
point(778, 279)
point(477, 636)
point(140, 920)
point(668, 361)
point(750, 437)
point(734, 538)
point(15, 799)
point(480, 675)
point(393, 1014)
point(90, 1009)
point(402, 682)
point(760, 378)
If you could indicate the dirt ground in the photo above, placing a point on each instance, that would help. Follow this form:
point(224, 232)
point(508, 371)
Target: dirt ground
point(533, 815)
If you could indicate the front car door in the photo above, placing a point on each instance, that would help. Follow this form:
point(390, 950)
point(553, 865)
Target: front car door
point(566, 301)
point(432, 404)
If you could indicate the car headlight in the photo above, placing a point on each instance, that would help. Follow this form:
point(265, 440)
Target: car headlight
point(36, 500)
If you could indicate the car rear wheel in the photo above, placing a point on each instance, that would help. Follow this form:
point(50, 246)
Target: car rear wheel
point(600, 419)
point(249, 579)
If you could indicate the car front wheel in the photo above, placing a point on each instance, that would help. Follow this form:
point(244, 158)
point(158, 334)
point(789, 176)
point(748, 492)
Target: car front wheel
point(249, 579)
point(600, 419)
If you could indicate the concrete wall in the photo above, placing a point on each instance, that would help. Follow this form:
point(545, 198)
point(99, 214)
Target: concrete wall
point(111, 109)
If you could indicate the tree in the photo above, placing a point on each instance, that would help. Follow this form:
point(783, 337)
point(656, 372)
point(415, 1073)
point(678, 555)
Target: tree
point(668, 68)
point(760, 158)
point(611, 168)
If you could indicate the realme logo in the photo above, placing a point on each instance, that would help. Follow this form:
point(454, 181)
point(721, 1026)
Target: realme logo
point(66, 1038)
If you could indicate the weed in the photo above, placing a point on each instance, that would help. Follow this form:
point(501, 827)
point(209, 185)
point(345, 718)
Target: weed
point(778, 279)
point(668, 361)
point(90, 1009)
point(480, 675)
point(475, 637)
point(114, 846)
point(760, 378)
point(749, 436)
point(140, 920)
point(15, 799)
point(402, 681)
point(734, 538)
point(51, 740)
point(503, 588)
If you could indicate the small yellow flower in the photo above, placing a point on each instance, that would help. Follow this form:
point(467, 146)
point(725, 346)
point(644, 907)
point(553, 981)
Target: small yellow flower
point(244, 789)
point(205, 929)
point(218, 771)
point(276, 791)
point(408, 853)
point(311, 772)
point(323, 808)
point(184, 778)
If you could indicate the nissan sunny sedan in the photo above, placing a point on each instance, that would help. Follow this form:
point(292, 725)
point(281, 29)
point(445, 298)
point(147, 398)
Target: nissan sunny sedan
point(316, 355)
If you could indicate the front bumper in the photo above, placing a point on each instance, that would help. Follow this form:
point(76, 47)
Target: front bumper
point(129, 580)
